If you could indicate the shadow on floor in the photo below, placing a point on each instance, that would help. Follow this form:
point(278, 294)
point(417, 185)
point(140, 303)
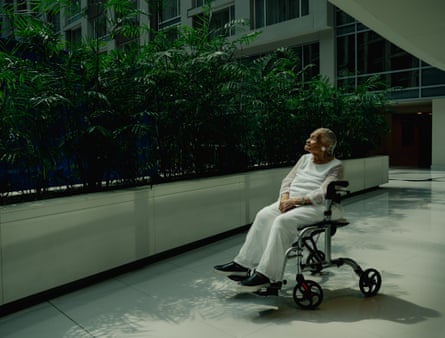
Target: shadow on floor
point(348, 305)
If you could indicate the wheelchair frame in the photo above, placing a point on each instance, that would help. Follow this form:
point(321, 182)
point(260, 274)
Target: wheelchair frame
point(308, 294)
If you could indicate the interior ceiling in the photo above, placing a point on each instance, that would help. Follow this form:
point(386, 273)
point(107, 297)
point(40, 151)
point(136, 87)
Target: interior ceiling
point(415, 26)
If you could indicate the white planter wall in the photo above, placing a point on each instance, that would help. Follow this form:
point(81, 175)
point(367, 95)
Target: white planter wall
point(50, 243)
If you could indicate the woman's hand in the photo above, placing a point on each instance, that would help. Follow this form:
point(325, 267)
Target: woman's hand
point(286, 203)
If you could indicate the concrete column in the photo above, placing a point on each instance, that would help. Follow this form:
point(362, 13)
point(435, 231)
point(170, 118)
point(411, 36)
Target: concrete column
point(438, 140)
point(327, 54)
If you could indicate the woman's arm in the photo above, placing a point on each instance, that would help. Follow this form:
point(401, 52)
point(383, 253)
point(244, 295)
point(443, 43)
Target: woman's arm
point(318, 196)
point(286, 182)
point(287, 203)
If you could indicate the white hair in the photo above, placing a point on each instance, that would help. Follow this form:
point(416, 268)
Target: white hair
point(330, 138)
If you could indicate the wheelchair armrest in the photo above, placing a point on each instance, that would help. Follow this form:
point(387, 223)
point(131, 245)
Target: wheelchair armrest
point(336, 189)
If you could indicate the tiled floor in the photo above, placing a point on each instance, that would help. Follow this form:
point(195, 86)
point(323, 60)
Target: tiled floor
point(398, 229)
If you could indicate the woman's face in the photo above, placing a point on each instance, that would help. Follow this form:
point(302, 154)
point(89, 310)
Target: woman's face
point(314, 144)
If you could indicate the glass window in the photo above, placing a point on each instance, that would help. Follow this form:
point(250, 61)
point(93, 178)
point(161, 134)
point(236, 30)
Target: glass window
point(370, 53)
point(72, 11)
point(347, 84)
point(404, 94)
point(342, 18)
point(281, 10)
point(362, 53)
point(346, 30)
point(198, 3)
point(304, 7)
point(361, 27)
point(311, 56)
point(219, 22)
point(74, 37)
point(54, 19)
point(405, 79)
point(346, 55)
point(100, 26)
point(170, 9)
point(384, 78)
point(269, 12)
point(399, 59)
point(436, 91)
point(257, 14)
point(432, 76)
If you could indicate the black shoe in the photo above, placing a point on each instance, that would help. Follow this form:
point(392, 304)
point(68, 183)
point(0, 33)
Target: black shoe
point(254, 283)
point(232, 269)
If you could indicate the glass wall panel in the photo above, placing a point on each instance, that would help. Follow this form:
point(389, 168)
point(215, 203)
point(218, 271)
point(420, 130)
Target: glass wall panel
point(404, 94)
point(72, 11)
point(436, 91)
point(74, 37)
point(362, 53)
point(399, 59)
point(198, 3)
point(346, 55)
point(304, 7)
point(346, 30)
point(170, 9)
point(269, 12)
point(281, 10)
point(342, 18)
point(219, 22)
point(405, 79)
point(385, 78)
point(311, 56)
point(257, 14)
point(371, 51)
point(347, 84)
point(432, 76)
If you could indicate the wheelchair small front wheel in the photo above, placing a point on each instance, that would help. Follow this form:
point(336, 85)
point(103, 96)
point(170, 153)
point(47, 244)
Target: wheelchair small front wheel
point(308, 294)
point(370, 282)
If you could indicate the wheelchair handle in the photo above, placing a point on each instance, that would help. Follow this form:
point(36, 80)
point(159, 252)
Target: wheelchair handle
point(334, 188)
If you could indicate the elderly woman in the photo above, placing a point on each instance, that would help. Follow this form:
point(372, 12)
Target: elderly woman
point(276, 226)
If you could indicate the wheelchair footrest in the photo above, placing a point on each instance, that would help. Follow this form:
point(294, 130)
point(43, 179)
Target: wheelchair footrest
point(271, 290)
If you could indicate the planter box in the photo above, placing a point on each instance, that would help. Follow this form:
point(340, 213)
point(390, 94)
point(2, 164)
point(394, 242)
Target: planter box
point(50, 243)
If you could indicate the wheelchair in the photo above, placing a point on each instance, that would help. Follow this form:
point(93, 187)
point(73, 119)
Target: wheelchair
point(308, 294)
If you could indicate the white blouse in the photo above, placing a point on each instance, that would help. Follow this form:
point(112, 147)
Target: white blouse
point(310, 180)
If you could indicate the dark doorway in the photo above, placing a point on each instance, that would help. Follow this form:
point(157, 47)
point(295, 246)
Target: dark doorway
point(411, 140)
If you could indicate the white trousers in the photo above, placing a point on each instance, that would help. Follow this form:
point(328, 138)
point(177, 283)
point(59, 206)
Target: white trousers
point(272, 233)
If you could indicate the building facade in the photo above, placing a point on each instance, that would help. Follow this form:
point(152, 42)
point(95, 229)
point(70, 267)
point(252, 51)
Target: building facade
point(340, 47)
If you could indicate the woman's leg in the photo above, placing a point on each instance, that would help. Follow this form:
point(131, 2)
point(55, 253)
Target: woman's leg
point(283, 233)
point(257, 237)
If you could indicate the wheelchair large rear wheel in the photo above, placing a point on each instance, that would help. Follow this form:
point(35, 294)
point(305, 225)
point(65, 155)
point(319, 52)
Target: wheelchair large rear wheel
point(308, 294)
point(370, 282)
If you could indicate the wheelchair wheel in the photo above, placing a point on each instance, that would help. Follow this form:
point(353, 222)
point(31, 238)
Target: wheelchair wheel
point(370, 282)
point(314, 260)
point(308, 294)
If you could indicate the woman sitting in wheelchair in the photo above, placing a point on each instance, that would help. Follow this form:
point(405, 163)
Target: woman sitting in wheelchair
point(276, 226)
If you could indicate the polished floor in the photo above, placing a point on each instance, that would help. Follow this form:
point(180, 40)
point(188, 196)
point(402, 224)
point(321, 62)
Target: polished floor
point(398, 229)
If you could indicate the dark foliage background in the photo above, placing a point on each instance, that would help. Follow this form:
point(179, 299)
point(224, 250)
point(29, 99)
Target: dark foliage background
point(83, 120)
